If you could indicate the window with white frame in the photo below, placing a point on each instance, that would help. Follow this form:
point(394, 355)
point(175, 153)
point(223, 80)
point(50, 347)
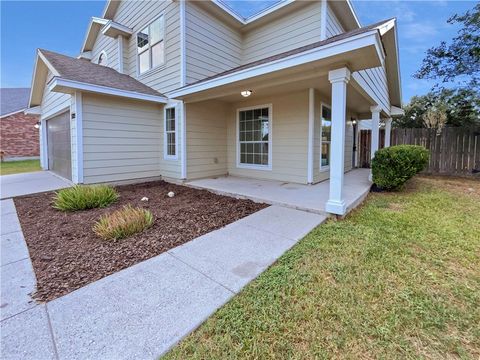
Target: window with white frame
point(254, 136)
point(325, 136)
point(150, 46)
point(102, 58)
point(170, 137)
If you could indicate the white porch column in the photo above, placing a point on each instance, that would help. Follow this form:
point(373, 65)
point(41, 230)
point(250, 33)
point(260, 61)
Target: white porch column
point(375, 132)
point(388, 131)
point(339, 79)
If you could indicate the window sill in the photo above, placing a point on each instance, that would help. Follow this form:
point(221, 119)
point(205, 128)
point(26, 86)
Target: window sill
point(254, 167)
point(170, 158)
point(151, 71)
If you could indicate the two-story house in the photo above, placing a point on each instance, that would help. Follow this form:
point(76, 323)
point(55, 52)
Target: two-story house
point(189, 89)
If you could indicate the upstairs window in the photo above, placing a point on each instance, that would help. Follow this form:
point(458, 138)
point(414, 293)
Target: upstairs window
point(326, 137)
point(150, 46)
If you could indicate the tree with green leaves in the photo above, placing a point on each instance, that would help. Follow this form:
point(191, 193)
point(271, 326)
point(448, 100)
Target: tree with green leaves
point(461, 106)
point(458, 61)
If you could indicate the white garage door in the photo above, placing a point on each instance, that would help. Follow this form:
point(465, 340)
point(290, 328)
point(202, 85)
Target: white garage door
point(58, 142)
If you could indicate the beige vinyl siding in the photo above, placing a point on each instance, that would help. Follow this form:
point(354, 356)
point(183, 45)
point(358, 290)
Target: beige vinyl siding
point(206, 139)
point(333, 25)
point(110, 46)
point(296, 29)
point(53, 102)
point(122, 139)
point(212, 46)
point(289, 138)
point(137, 15)
point(374, 81)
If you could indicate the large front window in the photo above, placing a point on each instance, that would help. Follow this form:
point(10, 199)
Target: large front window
point(325, 135)
point(254, 137)
point(150, 46)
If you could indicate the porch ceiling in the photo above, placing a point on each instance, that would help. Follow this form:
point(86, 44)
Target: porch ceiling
point(357, 100)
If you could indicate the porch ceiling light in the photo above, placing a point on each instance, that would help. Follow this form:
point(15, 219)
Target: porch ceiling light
point(246, 93)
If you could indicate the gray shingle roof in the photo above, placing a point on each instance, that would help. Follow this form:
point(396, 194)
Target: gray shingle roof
point(13, 99)
point(84, 71)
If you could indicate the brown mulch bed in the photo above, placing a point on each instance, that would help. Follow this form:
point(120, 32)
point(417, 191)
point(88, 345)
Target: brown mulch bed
point(66, 254)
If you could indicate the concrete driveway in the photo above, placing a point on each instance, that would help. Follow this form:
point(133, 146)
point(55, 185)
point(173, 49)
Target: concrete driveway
point(30, 183)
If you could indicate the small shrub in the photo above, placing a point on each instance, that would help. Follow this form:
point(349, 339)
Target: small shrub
point(123, 223)
point(394, 166)
point(82, 197)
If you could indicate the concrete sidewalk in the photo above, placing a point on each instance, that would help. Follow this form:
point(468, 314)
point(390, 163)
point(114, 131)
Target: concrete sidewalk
point(143, 311)
point(30, 183)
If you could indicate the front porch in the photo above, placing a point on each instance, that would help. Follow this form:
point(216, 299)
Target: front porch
point(312, 198)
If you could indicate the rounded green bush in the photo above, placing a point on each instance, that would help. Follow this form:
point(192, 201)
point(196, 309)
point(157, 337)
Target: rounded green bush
point(392, 167)
point(82, 197)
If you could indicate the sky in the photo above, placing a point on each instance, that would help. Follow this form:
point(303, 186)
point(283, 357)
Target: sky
point(61, 26)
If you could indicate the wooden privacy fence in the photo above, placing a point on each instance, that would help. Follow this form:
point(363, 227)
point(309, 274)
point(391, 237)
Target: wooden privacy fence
point(366, 146)
point(453, 151)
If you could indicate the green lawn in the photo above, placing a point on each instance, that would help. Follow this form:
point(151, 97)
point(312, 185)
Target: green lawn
point(15, 167)
point(398, 278)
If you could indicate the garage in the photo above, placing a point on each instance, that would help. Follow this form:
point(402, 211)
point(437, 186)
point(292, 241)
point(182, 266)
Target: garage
point(58, 142)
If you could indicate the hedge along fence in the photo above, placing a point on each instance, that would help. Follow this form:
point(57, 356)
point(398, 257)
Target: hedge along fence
point(453, 151)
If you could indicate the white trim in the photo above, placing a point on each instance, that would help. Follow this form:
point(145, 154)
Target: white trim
point(323, 19)
point(17, 111)
point(93, 19)
point(120, 53)
point(119, 27)
point(396, 111)
point(44, 144)
point(254, 17)
point(327, 50)
point(270, 121)
point(137, 55)
point(183, 129)
point(49, 65)
point(36, 110)
point(320, 166)
point(79, 136)
point(165, 137)
point(183, 46)
point(104, 53)
point(76, 85)
point(352, 9)
point(311, 122)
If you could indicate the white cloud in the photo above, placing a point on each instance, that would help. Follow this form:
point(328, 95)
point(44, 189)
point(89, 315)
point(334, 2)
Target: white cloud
point(419, 30)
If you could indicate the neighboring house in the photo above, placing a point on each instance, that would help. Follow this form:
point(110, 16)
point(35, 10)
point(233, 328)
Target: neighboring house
point(189, 89)
point(19, 138)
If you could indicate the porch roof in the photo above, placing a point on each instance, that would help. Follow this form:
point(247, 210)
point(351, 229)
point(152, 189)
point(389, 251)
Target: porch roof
point(358, 49)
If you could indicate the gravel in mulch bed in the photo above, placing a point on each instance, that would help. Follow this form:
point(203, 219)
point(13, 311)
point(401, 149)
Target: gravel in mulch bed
point(66, 254)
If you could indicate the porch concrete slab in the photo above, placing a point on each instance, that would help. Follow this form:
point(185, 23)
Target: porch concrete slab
point(27, 336)
point(17, 283)
point(235, 255)
point(7, 206)
point(13, 248)
point(282, 221)
point(312, 198)
point(137, 313)
point(30, 183)
point(9, 223)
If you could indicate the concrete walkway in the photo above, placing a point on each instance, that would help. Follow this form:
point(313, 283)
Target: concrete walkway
point(143, 311)
point(30, 183)
point(310, 198)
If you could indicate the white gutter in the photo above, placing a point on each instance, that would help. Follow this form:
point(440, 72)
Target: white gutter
point(76, 85)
